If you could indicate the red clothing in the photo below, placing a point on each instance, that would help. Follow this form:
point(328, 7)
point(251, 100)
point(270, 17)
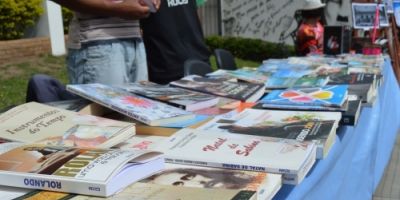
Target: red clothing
point(310, 39)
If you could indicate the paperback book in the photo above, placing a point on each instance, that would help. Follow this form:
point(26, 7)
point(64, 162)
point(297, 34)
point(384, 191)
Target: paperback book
point(350, 117)
point(247, 92)
point(241, 152)
point(264, 184)
point(317, 127)
point(39, 123)
point(97, 172)
point(146, 191)
point(178, 97)
point(329, 96)
point(148, 111)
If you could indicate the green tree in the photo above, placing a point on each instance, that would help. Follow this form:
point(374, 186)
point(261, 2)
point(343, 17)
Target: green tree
point(16, 16)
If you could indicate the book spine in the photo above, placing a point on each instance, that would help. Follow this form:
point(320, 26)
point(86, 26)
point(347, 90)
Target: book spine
point(112, 107)
point(347, 120)
point(47, 182)
point(232, 166)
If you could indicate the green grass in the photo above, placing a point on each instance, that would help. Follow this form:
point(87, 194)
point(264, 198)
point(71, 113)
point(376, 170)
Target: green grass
point(14, 77)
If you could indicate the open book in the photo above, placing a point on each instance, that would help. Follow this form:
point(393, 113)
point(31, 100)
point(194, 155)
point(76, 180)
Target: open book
point(98, 172)
point(39, 123)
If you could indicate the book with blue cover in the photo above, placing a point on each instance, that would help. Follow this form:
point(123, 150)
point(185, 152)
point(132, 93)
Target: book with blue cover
point(330, 96)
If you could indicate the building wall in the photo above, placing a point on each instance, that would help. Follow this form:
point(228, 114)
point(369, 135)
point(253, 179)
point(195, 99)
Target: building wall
point(272, 20)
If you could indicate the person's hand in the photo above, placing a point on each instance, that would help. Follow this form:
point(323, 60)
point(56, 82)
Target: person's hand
point(129, 9)
point(157, 3)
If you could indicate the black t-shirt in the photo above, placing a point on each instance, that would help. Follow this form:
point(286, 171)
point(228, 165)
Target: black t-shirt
point(172, 35)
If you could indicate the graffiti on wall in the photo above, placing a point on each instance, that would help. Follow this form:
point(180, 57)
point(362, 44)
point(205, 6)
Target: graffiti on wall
point(272, 20)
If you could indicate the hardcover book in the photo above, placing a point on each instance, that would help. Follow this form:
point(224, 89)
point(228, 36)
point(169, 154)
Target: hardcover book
point(330, 96)
point(317, 127)
point(264, 184)
point(231, 151)
point(146, 191)
point(39, 123)
point(247, 92)
point(97, 172)
point(72, 105)
point(178, 97)
point(148, 111)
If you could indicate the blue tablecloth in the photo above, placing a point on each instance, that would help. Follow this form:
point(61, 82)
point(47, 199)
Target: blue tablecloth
point(357, 160)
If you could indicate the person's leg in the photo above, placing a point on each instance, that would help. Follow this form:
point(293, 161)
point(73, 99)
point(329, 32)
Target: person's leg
point(102, 62)
point(140, 62)
point(43, 88)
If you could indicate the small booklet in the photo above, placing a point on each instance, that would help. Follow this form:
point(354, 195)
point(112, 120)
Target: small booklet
point(97, 172)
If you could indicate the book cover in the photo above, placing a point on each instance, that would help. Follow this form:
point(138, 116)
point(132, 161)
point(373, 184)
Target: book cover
point(35, 122)
point(337, 39)
point(350, 117)
point(350, 79)
point(142, 109)
point(247, 92)
point(178, 97)
point(264, 184)
point(331, 96)
point(232, 151)
point(98, 172)
point(249, 75)
point(145, 191)
point(142, 142)
point(317, 127)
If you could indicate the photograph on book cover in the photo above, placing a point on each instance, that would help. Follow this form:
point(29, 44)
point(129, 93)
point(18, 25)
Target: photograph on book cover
point(363, 15)
point(193, 176)
point(37, 159)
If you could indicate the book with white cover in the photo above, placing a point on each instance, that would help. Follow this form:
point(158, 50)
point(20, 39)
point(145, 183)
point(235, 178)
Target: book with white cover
point(97, 172)
point(319, 127)
point(266, 185)
point(145, 110)
point(39, 123)
point(231, 151)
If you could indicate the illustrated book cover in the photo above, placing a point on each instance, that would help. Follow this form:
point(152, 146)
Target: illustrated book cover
point(264, 184)
point(98, 172)
point(148, 111)
point(247, 92)
point(232, 151)
point(178, 97)
point(330, 96)
point(317, 127)
point(39, 123)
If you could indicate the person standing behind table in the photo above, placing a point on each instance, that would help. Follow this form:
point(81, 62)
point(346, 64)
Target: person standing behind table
point(311, 32)
point(171, 36)
point(105, 44)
